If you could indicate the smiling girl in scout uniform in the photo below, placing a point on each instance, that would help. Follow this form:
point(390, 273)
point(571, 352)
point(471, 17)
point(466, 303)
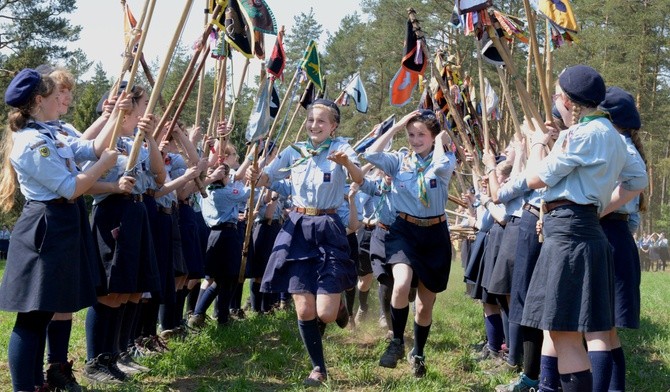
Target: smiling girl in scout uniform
point(47, 269)
point(412, 245)
point(310, 258)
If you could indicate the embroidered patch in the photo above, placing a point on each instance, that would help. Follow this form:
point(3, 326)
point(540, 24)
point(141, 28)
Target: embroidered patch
point(44, 151)
point(433, 183)
point(235, 191)
point(326, 177)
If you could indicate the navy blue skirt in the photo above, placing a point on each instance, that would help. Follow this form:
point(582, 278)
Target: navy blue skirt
point(572, 288)
point(426, 249)
point(527, 252)
point(4, 245)
point(125, 245)
point(490, 257)
point(501, 276)
point(48, 261)
point(310, 255)
point(380, 270)
point(626, 273)
point(264, 236)
point(179, 267)
point(466, 248)
point(191, 243)
point(474, 262)
point(223, 256)
point(364, 264)
point(163, 240)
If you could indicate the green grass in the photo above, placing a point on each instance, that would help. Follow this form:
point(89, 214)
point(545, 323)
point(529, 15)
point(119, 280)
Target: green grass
point(264, 353)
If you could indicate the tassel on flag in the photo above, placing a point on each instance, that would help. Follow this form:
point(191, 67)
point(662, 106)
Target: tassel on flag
point(311, 65)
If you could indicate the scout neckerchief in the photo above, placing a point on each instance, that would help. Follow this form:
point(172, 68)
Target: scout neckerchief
point(420, 169)
point(307, 152)
point(51, 132)
point(597, 114)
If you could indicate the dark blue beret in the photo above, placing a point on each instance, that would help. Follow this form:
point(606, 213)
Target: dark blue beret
point(583, 85)
point(500, 158)
point(101, 102)
point(620, 105)
point(329, 103)
point(22, 87)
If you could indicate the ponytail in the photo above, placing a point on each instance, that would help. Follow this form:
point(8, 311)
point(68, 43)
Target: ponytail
point(8, 180)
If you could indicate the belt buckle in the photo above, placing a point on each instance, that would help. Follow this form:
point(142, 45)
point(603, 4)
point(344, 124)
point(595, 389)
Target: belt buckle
point(423, 222)
point(311, 211)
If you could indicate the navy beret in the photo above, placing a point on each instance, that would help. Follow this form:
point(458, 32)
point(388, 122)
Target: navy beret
point(329, 103)
point(583, 85)
point(620, 105)
point(101, 102)
point(22, 87)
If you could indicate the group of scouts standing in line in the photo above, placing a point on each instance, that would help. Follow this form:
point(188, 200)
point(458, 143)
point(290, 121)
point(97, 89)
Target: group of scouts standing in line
point(151, 238)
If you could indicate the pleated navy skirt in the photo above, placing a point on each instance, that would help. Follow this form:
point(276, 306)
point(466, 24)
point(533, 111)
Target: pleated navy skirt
point(501, 276)
point(527, 252)
point(191, 243)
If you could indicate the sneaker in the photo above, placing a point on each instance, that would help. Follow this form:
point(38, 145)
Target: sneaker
point(418, 364)
point(196, 321)
point(394, 352)
point(382, 322)
point(177, 333)
point(61, 377)
point(361, 316)
point(351, 324)
point(114, 368)
point(97, 370)
point(342, 316)
point(127, 365)
point(237, 314)
point(521, 384)
point(316, 378)
point(487, 354)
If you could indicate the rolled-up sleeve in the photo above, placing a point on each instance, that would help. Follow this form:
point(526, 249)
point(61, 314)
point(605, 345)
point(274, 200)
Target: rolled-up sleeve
point(389, 163)
point(555, 167)
point(634, 176)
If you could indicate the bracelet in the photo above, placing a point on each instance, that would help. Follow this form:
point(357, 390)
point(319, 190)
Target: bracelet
point(490, 170)
point(536, 143)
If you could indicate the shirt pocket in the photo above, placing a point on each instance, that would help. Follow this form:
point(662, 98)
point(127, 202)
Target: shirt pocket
point(406, 180)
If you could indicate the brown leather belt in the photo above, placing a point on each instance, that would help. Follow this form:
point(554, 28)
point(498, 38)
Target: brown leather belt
point(313, 211)
point(165, 210)
point(150, 192)
point(225, 225)
point(552, 205)
point(369, 227)
point(532, 209)
point(383, 226)
point(188, 202)
point(616, 216)
point(60, 200)
point(423, 222)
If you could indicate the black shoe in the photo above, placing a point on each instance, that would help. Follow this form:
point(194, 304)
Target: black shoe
point(127, 365)
point(342, 316)
point(97, 370)
point(394, 352)
point(418, 364)
point(114, 368)
point(61, 377)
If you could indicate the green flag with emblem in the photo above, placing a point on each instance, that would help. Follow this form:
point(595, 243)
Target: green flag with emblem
point(310, 64)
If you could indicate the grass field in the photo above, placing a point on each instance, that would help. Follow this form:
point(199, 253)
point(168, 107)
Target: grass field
point(264, 353)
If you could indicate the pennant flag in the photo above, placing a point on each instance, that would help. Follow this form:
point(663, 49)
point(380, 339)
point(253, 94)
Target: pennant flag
point(357, 92)
point(259, 120)
point(236, 28)
point(260, 16)
point(557, 11)
point(277, 59)
point(274, 102)
point(310, 64)
point(491, 99)
point(415, 52)
point(402, 86)
point(383, 128)
point(511, 25)
point(308, 96)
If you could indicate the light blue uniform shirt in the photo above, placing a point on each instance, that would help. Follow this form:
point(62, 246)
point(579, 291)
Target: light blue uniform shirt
point(141, 171)
point(381, 199)
point(511, 194)
point(317, 182)
point(584, 164)
point(405, 190)
point(65, 129)
point(220, 206)
point(171, 197)
point(45, 166)
point(343, 209)
point(634, 165)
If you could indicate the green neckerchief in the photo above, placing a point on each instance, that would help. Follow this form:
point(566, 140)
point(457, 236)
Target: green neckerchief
point(595, 115)
point(307, 152)
point(420, 169)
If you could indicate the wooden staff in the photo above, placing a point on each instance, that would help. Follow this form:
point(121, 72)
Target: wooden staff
point(201, 83)
point(482, 96)
point(288, 128)
point(156, 91)
point(510, 104)
point(549, 63)
point(148, 11)
point(546, 99)
point(187, 75)
point(128, 57)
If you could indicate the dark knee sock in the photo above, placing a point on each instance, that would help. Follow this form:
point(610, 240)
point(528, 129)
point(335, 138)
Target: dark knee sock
point(205, 299)
point(58, 337)
point(363, 300)
point(618, 379)
point(601, 369)
point(577, 382)
point(130, 313)
point(420, 338)
point(515, 344)
point(385, 302)
point(166, 315)
point(311, 338)
point(255, 296)
point(349, 299)
point(150, 318)
point(227, 293)
point(505, 326)
point(179, 306)
point(113, 340)
point(24, 349)
point(136, 330)
point(494, 331)
point(192, 298)
point(532, 350)
point(39, 356)
point(550, 380)
point(97, 328)
point(236, 298)
point(399, 320)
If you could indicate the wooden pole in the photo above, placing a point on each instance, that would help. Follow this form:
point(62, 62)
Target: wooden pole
point(546, 99)
point(482, 96)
